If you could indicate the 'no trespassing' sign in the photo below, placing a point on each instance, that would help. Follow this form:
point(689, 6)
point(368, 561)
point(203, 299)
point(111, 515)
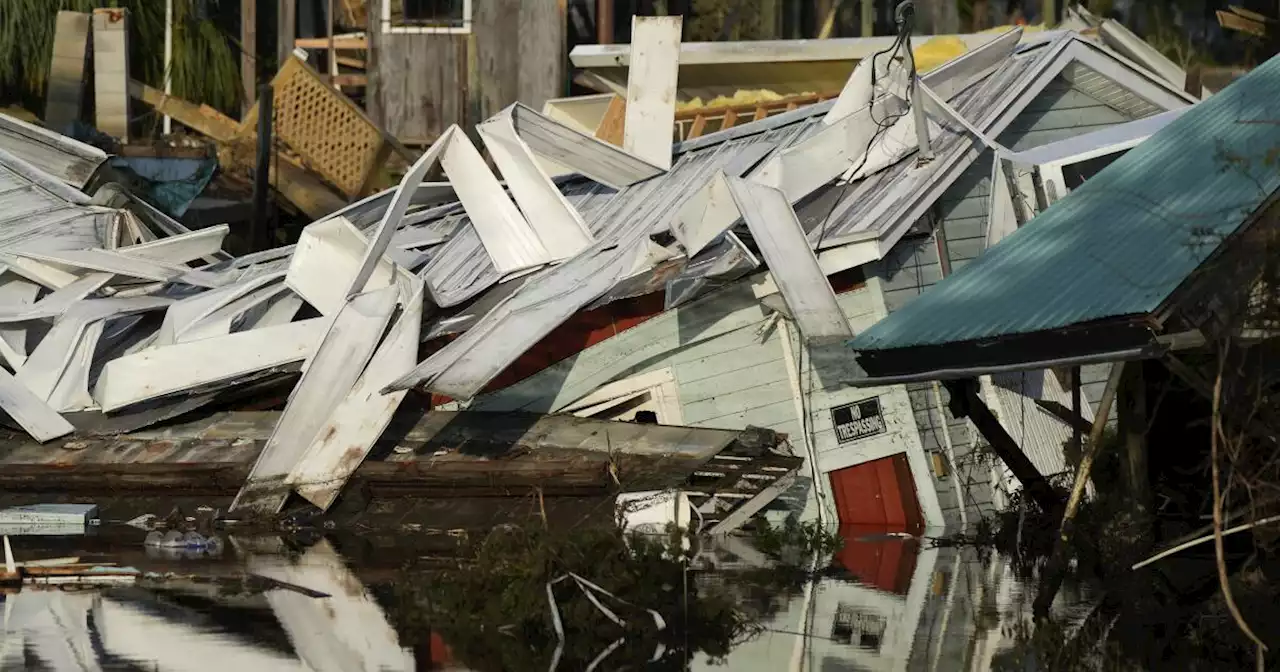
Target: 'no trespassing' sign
point(857, 420)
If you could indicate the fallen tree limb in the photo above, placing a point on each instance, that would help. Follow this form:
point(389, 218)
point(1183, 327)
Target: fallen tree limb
point(1206, 538)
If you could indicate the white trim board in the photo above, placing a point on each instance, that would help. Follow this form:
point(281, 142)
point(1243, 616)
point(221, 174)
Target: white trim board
point(342, 355)
point(660, 385)
point(390, 28)
point(158, 372)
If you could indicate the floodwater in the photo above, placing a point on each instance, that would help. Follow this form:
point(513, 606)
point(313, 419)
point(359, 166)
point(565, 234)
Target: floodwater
point(885, 602)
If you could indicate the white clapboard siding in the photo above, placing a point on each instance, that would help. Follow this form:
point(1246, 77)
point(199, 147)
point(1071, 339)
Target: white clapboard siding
point(29, 411)
point(340, 358)
point(154, 373)
point(361, 417)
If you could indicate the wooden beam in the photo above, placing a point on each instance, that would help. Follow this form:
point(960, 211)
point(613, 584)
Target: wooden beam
point(346, 80)
point(1131, 417)
point(965, 403)
point(331, 56)
point(248, 54)
point(340, 43)
point(1243, 24)
point(358, 63)
point(201, 118)
point(613, 125)
point(699, 125)
point(1068, 417)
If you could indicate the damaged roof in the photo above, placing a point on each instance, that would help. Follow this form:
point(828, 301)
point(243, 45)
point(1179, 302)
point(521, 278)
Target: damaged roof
point(1122, 242)
point(68, 160)
point(144, 329)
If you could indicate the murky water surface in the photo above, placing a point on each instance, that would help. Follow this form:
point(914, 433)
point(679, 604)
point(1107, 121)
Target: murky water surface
point(886, 602)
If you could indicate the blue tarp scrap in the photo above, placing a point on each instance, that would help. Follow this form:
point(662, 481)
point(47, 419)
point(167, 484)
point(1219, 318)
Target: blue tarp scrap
point(168, 183)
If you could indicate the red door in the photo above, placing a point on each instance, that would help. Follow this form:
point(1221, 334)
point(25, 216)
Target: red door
point(880, 493)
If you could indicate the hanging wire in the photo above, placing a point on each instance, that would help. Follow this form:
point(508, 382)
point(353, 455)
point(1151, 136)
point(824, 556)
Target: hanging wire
point(906, 19)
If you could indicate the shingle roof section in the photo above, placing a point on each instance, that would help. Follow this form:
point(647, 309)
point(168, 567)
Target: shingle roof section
point(1123, 241)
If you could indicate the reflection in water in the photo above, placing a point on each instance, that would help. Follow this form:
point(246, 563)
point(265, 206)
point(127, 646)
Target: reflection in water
point(887, 602)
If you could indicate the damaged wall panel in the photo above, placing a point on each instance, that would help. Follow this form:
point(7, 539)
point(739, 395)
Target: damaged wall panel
point(651, 87)
point(151, 374)
point(340, 358)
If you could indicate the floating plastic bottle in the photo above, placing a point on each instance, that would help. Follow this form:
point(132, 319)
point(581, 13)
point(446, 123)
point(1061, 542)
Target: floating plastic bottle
point(173, 539)
point(193, 540)
point(155, 539)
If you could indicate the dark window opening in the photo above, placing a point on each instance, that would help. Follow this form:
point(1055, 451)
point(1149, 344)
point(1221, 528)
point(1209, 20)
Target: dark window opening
point(428, 13)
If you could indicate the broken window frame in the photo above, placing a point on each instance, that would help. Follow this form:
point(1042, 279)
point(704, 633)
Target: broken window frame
point(452, 26)
point(660, 386)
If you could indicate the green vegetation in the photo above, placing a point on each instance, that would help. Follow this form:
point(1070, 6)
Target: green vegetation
point(205, 61)
point(491, 606)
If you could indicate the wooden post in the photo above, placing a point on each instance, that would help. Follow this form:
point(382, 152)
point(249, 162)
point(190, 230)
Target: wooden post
point(286, 30)
point(604, 21)
point(868, 18)
point(965, 403)
point(1077, 437)
point(1131, 421)
point(331, 58)
point(1050, 17)
point(258, 237)
point(248, 54)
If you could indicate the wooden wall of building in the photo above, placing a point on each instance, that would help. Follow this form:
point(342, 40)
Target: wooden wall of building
point(419, 84)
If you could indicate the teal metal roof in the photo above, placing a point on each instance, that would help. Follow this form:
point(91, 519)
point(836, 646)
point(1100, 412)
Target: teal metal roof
point(1120, 243)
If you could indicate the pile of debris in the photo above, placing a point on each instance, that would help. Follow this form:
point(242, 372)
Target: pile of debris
point(114, 317)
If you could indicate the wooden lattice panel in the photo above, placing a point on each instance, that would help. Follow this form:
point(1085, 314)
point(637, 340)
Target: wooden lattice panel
point(326, 129)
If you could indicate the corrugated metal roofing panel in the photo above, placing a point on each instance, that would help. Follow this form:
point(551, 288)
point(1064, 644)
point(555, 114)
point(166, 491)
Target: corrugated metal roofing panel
point(871, 204)
point(66, 159)
point(1119, 244)
point(34, 218)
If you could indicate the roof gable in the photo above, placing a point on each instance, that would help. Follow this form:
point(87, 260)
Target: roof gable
point(1122, 242)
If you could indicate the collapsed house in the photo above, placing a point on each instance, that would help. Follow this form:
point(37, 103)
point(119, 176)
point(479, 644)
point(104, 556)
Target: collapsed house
point(710, 284)
point(1146, 262)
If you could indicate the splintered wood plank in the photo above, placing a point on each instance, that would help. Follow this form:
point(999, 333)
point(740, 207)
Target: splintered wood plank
point(111, 71)
point(66, 71)
point(612, 127)
point(330, 374)
point(201, 118)
point(29, 411)
point(651, 87)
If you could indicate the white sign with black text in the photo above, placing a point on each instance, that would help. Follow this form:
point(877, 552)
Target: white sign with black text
point(858, 420)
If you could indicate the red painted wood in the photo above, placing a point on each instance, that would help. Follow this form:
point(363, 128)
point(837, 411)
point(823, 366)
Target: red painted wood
point(880, 493)
point(881, 562)
point(891, 494)
point(910, 501)
point(591, 327)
